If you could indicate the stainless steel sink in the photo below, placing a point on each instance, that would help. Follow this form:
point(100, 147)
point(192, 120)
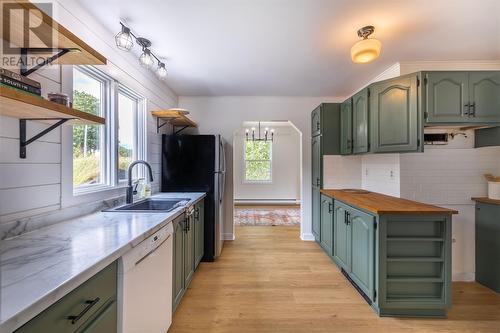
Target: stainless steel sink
point(355, 191)
point(151, 205)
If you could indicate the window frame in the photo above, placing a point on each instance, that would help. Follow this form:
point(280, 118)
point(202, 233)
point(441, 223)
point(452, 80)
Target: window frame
point(105, 131)
point(249, 181)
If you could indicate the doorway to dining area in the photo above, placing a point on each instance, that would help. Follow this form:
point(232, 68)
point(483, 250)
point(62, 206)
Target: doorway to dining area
point(267, 173)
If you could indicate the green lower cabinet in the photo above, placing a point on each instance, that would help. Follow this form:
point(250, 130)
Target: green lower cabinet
point(89, 308)
point(199, 232)
point(326, 224)
point(187, 250)
point(316, 213)
point(488, 245)
point(400, 263)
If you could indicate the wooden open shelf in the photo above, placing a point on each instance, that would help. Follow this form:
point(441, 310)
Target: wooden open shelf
point(18, 104)
point(81, 54)
point(176, 117)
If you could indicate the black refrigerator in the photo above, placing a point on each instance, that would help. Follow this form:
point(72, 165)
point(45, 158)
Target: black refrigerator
point(196, 163)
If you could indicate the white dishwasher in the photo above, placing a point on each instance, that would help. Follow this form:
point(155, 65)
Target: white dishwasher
point(145, 285)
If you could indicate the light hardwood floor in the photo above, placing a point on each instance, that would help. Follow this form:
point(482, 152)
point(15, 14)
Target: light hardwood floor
point(268, 280)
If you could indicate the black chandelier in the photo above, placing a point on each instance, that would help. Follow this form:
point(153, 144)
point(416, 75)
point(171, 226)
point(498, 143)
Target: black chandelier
point(268, 134)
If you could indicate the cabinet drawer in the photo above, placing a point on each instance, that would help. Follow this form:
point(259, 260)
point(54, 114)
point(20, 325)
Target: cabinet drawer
point(99, 289)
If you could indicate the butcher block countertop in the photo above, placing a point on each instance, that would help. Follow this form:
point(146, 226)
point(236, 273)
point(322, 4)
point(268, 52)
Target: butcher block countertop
point(381, 204)
point(487, 200)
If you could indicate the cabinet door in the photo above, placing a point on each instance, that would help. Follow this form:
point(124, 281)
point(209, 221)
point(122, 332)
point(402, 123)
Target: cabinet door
point(362, 244)
point(178, 264)
point(316, 161)
point(340, 237)
point(316, 218)
point(360, 122)
point(199, 231)
point(447, 97)
point(484, 96)
point(346, 128)
point(316, 121)
point(189, 251)
point(326, 224)
point(488, 245)
point(104, 322)
point(394, 115)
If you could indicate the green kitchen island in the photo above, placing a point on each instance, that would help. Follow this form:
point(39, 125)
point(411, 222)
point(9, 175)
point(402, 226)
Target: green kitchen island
point(395, 252)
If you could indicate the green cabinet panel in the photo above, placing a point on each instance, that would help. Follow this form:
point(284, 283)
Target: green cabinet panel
point(317, 161)
point(484, 97)
point(82, 307)
point(447, 97)
point(316, 213)
point(199, 227)
point(178, 260)
point(316, 121)
point(488, 245)
point(346, 127)
point(360, 122)
point(103, 322)
point(189, 250)
point(394, 124)
point(341, 236)
point(362, 250)
point(486, 137)
point(326, 224)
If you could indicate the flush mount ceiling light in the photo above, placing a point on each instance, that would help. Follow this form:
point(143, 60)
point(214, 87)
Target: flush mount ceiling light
point(124, 41)
point(367, 49)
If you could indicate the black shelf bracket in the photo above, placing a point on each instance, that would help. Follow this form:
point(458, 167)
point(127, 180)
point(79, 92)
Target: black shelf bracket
point(179, 130)
point(24, 57)
point(158, 125)
point(22, 133)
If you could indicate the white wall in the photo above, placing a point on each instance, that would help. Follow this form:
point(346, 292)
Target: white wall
point(285, 184)
point(224, 115)
point(380, 173)
point(42, 183)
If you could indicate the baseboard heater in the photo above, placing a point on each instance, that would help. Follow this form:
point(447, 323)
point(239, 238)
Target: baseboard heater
point(367, 299)
point(266, 202)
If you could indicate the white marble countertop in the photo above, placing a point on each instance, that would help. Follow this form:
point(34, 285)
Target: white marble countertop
point(40, 267)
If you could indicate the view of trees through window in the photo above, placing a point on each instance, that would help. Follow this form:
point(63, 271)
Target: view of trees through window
point(258, 161)
point(127, 109)
point(87, 159)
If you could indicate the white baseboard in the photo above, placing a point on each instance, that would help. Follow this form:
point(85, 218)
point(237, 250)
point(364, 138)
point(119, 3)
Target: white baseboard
point(228, 237)
point(307, 237)
point(463, 277)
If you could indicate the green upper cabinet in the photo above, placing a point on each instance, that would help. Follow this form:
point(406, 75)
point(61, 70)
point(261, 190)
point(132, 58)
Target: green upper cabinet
point(346, 127)
point(484, 97)
point(394, 115)
point(362, 250)
point(462, 97)
point(326, 224)
point(360, 122)
point(316, 161)
point(316, 121)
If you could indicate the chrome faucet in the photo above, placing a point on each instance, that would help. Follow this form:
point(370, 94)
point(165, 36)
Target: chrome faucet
point(130, 188)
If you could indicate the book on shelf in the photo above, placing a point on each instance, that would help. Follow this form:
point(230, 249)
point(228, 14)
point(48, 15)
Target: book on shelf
point(21, 78)
point(14, 88)
point(7, 81)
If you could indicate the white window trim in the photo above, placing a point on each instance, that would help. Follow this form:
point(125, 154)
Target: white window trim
point(263, 182)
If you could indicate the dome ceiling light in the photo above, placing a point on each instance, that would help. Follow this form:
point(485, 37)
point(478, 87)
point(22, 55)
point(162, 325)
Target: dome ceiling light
point(125, 41)
point(367, 49)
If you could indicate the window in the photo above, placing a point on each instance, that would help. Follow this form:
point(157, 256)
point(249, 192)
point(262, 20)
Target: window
point(102, 153)
point(258, 161)
point(89, 158)
point(128, 120)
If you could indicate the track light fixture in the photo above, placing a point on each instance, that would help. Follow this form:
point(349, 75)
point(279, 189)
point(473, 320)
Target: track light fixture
point(125, 41)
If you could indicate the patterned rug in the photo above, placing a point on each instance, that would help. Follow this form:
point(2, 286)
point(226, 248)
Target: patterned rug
point(262, 215)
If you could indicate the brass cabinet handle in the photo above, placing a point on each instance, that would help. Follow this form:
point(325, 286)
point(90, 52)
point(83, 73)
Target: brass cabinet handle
point(90, 304)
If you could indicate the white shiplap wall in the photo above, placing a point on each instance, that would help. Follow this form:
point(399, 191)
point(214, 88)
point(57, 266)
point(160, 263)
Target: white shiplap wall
point(41, 183)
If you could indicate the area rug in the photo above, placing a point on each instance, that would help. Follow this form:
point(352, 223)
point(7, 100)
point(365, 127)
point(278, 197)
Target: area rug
point(266, 216)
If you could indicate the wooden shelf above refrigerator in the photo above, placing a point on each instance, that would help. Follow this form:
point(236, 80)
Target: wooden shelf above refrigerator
point(175, 117)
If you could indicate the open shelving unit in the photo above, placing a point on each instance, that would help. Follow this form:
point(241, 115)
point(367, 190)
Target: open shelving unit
point(56, 45)
point(175, 117)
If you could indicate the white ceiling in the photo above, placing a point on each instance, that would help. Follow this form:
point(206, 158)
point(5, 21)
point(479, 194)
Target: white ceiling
point(299, 47)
